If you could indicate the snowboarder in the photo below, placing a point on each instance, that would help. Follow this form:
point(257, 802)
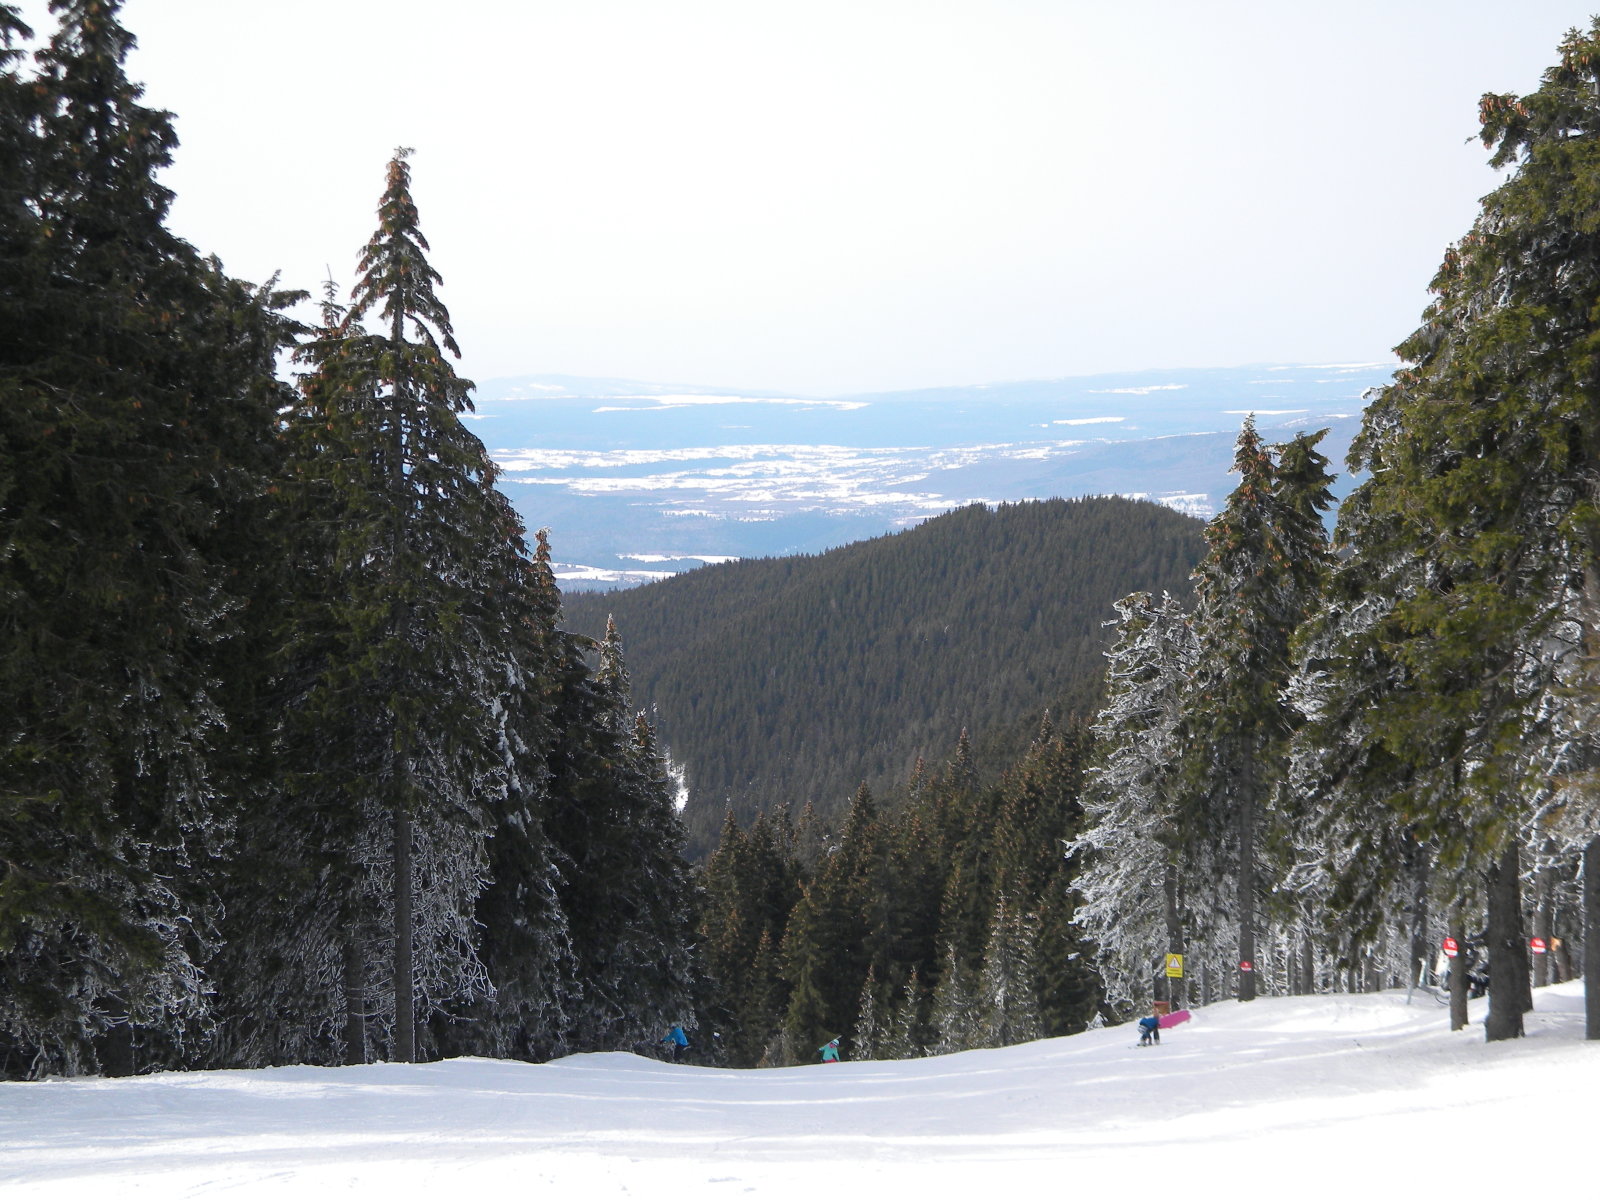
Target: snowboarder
point(676, 1042)
point(830, 1052)
point(1149, 1031)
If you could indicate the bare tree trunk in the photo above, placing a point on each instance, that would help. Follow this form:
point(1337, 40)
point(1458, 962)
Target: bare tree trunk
point(405, 1030)
point(1175, 987)
point(1308, 968)
point(1458, 969)
point(1247, 890)
point(1591, 940)
point(1524, 955)
point(400, 500)
point(355, 1002)
point(1508, 971)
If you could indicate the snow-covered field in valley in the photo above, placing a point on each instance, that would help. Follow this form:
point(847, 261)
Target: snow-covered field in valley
point(1313, 1097)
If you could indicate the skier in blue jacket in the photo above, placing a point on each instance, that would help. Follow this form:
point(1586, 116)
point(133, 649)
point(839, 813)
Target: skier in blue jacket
point(676, 1042)
point(1149, 1030)
point(830, 1052)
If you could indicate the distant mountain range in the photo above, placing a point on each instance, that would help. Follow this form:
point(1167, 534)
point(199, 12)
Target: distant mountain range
point(637, 481)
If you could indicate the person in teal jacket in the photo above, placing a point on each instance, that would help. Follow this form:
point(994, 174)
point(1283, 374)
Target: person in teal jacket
point(830, 1052)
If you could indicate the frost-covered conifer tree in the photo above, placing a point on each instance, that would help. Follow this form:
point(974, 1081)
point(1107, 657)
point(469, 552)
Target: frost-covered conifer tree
point(954, 1019)
point(1132, 853)
point(1008, 993)
point(867, 1040)
point(904, 1036)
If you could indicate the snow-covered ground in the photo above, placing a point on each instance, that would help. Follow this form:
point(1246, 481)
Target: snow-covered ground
point(1315, 1097)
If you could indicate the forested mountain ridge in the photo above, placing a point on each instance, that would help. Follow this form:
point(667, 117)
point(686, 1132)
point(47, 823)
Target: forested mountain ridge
point(793, 680)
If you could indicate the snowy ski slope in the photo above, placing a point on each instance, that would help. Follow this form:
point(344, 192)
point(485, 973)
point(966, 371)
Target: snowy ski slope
point(1312, 1097)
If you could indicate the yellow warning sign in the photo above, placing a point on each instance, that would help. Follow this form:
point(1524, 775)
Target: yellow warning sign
point(1174, 966)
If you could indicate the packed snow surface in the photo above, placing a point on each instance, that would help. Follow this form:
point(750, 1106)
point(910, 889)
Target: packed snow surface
point(1315, 1097)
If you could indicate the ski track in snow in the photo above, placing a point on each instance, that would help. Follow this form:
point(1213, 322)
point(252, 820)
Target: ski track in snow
point(1325, 1096)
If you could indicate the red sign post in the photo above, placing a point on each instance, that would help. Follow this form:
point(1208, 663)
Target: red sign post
point(1536, 945)
point(1450, 947)
point(1246, 965)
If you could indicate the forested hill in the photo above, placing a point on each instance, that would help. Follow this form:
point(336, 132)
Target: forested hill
point(796, 679)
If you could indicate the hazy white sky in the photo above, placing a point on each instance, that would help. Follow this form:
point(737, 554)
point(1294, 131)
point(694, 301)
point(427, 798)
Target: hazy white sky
point(830, 196)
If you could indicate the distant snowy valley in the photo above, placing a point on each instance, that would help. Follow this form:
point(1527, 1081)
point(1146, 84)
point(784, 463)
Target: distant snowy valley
point(638, 481)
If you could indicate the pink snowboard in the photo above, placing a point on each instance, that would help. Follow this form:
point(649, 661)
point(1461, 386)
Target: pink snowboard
point(1168, 1020)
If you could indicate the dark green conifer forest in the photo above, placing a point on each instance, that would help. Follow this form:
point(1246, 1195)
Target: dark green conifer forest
point(942, 921)
point(793, 680)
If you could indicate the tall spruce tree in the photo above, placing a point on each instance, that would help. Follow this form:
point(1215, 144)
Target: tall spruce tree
point(1262, 574)
point(727, 938)
point(903, 917)
point(966, 812)
point(1358, 862)
point(751, 884)
point(1041, 813)
point(826, 952)
point(395, 712)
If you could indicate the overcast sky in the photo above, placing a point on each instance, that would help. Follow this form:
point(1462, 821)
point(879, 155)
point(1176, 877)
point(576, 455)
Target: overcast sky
point(832, 196)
